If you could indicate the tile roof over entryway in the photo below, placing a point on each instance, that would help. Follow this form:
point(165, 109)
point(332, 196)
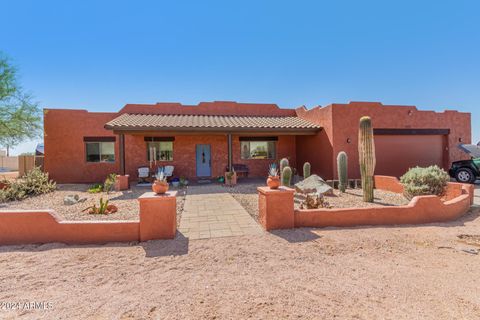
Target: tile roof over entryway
point(133, 122)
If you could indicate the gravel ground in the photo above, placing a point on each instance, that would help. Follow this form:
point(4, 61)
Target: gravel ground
point(126, 201)
point(354, 198)
point(408, 272)
point(246, 195)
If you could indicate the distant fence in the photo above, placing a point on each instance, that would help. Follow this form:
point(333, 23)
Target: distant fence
point(27, 163)
point(10, 163)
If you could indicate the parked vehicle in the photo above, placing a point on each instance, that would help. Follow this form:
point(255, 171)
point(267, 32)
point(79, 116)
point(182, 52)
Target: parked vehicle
point(467, 171)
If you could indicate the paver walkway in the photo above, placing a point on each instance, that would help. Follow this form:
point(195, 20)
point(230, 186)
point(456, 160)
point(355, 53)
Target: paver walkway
point(210, 211)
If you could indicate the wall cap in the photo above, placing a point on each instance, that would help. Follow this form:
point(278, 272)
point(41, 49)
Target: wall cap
point(153, 196)
point(267, 190)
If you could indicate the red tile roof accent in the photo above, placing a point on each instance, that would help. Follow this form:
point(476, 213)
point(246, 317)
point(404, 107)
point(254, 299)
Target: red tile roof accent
point(179, 122)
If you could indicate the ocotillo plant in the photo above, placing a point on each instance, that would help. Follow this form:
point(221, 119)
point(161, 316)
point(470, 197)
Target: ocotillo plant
point(366, 154)
point(286, 176)
point(342, 163)
point(306, 170)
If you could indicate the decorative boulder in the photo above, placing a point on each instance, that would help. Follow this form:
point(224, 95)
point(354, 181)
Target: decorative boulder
point(71, 199)
point(313, 184)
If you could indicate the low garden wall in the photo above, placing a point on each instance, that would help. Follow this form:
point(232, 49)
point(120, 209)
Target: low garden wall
point(422, 209)
point(157, 221)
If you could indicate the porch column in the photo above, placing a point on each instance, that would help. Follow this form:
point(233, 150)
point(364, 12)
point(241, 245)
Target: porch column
point(229, 139)
point(121, 149)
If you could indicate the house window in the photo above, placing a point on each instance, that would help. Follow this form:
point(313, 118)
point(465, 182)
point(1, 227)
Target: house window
point(163, 150)
point(258, 149)
point(100, 151)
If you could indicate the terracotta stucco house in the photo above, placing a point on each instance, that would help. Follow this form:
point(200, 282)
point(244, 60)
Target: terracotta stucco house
point(204, 140)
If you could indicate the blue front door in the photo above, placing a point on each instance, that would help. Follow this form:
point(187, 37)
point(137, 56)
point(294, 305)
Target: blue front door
point(203, 160)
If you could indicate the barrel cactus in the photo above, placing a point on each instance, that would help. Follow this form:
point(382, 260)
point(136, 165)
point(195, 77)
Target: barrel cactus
point(283, 163)
point(366, 155)
point(286, 176)
point(306, 170)
point(342, 164)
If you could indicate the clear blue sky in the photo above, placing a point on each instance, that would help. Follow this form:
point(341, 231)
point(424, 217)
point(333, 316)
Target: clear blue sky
point(100, 55)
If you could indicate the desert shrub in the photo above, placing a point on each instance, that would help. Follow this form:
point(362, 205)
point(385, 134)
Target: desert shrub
point(109, 182)
point(34, 182)
point(424, 181)
point(96, 188)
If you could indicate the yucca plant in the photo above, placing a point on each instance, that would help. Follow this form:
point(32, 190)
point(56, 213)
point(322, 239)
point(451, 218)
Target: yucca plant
point(272, 170)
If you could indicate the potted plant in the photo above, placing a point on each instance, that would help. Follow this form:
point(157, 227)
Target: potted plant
point(175, 182)
point(273, 181)
point(231, 178)
point(160, 185)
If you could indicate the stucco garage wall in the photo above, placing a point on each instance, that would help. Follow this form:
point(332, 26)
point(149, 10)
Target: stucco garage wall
point(340, 133)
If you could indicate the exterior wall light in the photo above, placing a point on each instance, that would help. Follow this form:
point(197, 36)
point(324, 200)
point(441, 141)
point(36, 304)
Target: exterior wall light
point(410, 112)
point(349, 140)
point(460, 140)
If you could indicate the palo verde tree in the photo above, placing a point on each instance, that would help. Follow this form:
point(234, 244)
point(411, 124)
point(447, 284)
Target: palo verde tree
point(20, 116)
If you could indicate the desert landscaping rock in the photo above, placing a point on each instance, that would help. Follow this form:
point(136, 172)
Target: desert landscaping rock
point(313, 184)
point(72, 199)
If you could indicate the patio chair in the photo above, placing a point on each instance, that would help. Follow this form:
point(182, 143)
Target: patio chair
point(143, 174)
point(168, 171)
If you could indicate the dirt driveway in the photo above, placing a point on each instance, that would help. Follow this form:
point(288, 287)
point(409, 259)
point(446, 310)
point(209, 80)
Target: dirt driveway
point(413, 272)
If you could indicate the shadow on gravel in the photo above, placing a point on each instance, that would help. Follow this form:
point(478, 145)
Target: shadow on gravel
point(296, 235)
point(162, 248)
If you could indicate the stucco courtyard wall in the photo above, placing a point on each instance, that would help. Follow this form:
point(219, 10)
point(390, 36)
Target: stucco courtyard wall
point(157, 221)
point(274, 212)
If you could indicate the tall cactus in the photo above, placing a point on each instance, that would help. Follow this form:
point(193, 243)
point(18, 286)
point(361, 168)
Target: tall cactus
point(342, 164)
point(306, 170)
point(286, 176)
point(366, 154)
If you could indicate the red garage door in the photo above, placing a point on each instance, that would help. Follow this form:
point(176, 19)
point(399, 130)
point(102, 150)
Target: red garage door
point(397, 153)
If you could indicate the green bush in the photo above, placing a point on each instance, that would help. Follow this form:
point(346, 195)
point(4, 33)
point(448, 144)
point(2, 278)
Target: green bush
point(96, 188)
point(33, 183)
point(424, 181)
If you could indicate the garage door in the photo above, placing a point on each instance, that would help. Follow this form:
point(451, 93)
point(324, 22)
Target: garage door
point(397, 153)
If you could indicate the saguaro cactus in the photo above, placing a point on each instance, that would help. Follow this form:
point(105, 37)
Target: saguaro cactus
point(286, 176)
point(342, 164)
point(366, 155)
point(306, 170)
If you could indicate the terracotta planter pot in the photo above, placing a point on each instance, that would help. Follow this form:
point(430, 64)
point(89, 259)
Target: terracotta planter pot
point(233, 179)
point(273, 182)
point(160, 187)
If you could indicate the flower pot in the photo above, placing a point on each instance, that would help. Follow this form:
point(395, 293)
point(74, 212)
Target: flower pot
point(160, 187)
point(230, 178)
point(273, 182)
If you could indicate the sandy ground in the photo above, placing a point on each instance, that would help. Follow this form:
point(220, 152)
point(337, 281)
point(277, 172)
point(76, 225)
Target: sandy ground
point(411, 272)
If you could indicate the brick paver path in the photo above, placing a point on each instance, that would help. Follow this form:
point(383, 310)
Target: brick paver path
point(211, 212)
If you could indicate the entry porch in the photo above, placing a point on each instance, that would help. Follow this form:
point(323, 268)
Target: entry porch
point(206, 146)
